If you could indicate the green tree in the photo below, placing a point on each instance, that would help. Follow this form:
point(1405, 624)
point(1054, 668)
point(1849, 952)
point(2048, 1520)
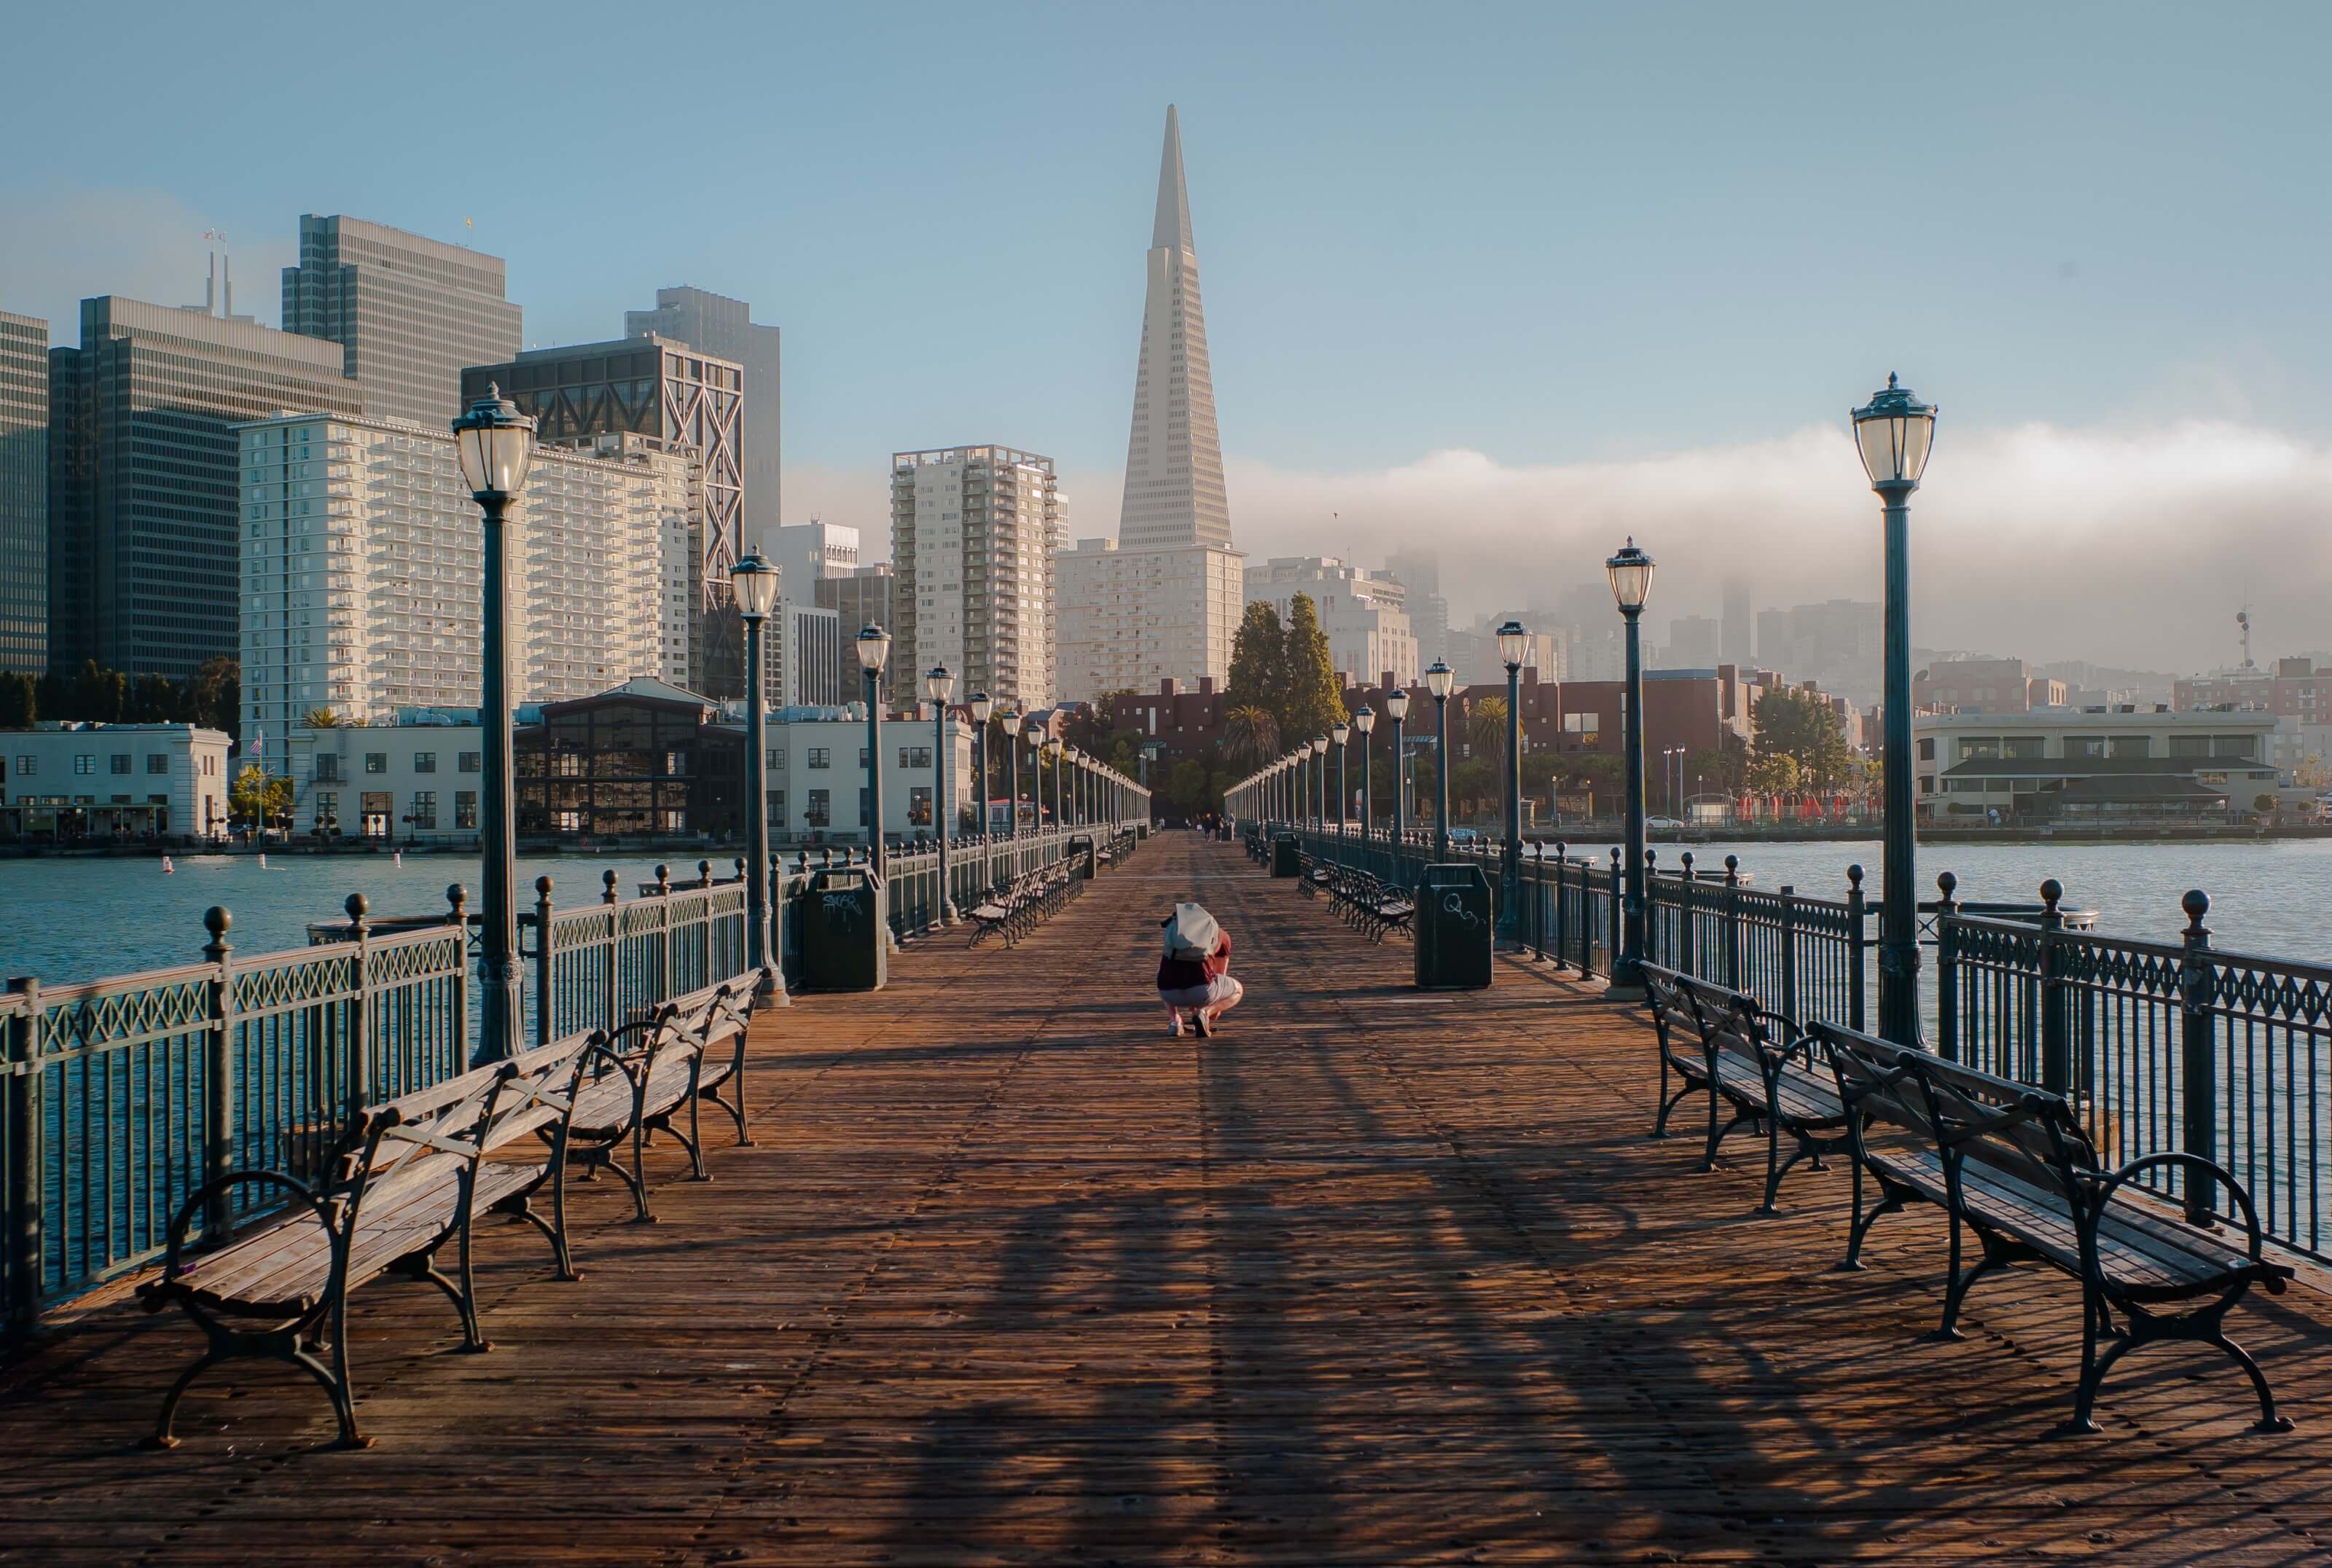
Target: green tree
point(1774, 773)
point(1259, 674)
point(1801, 726)
point(1486, 731)
point(1250, 736)
point(215, 697)
point(20, 704)
point(260, 798)
point(155, 699)
point(1315, 698)
point(100, 695)
point(321, 719)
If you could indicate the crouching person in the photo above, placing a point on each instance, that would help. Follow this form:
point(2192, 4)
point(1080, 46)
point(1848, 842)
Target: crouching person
point(1194, 974)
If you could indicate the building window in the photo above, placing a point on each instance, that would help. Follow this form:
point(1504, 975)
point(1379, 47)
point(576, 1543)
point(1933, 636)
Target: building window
point(1589, 725)
point(1927, 750)
point(776, 808)
point(84, 762)
point(2024, 746)
point(820, 757)
point(1983, 746)
point(425, 808)
point(328, 768)
point(376, 761)
point(425, 762)
point(2084, 747)
point(919, 806)
point(27, 766)
point(157, 762)
point(328, 812)
point(819, 812)
point(2131, 746)
point(118, 762)
point(465, 808)
point(467, 761)
point(914, 756)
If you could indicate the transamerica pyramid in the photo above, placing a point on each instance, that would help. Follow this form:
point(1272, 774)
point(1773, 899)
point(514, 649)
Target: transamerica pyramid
point(1174, 494)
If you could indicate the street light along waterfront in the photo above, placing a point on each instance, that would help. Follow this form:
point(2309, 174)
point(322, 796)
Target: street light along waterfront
point(1364, 722)
point(1397, 705)
point(939, 685)
point(754, 581)
point(873, 653)
point(496, 446)
point(981, 705)
point(1630, 571)
point(1894, 433)
point(1439, 680)
point(1010, 724)
point(1514, 645)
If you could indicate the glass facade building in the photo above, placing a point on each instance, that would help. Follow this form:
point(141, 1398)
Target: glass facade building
point(409, 313)
point(143, 498)
point(23, 494)
point(719, 325)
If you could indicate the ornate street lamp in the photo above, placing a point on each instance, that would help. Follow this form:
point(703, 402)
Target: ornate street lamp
point(1440, 681)
point(1514, 648)
point(495, 443)
point(1894, 432)
point(1341, 733)
point(1011, 726)
point(1630, 572)
point(1365, 720)
point(1053, 762)
point(939, 685)
point(1397, 705)
point(981, 706)
point(873, 653)
point(754, 581)
point(1320, 778)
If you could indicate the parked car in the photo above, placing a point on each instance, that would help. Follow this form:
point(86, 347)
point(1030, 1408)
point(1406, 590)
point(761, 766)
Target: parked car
point(1463, 836)
point(1662, 824)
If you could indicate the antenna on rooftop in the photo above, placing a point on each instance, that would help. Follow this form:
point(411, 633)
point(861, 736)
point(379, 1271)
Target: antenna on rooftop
point(2243, 626)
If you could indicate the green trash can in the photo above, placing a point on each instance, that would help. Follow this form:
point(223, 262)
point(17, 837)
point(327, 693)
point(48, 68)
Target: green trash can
point(1453, 928)
point(1286, 860)
point(843, 931)
point(1080, 855)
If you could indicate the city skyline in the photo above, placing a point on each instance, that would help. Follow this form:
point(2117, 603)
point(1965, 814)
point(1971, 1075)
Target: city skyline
point(1634, 295)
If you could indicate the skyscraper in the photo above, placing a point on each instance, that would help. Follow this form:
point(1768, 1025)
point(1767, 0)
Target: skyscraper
point(679, 399)
point(1419, 571)
point(1174, 494)
point(409, 313)
point(143, 487)
point(973, 529)
point(718, 324)
point(1738, 641)
point(23, 494)
point(1130, 615)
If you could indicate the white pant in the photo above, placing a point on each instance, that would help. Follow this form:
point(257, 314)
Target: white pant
point(1219, 995)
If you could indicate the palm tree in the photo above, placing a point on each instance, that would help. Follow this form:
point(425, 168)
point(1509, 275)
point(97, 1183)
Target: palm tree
point(1250, 737)
point(322, 719)
point(1486, 731)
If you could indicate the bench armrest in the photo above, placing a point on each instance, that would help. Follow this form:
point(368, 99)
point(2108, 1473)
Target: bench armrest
point(2273, 1275)
point(155, 1291)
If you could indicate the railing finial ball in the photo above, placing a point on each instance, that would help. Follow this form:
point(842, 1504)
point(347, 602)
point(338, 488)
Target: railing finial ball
point(608, 878)
point(356, 904)
point(2052, 890)
point(2196, 904)
point(543, 886)
point(456, 895)
point(1854, 876)
point(1947, 883)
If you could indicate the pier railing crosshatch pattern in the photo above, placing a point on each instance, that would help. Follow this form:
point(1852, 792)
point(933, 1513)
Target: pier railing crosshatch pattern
point(2163, 1047)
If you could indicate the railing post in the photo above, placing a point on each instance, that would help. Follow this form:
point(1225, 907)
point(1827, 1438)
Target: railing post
point(1947, 968)
point(457, 898)
point(611, 967)
point(663, 935)
point(2198, 1054)
point(1561, 851)
point(26, 1241)
point(546, 1006)
point(1790, 952)
point(1857, 947)
point(1612, 953)
point(1652, 952)
point(1733, 922)
point(1688, 961)
point(218, 1070)
point(357, 1090)
point(2056, 1065)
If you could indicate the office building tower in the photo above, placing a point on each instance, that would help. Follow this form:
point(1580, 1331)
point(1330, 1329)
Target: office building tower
point(677, 398)
point(972, 534)
point(1365, 616)
point(1130, 618)
point(1174, 494)
point(1693, 644)
point(810, 672)
point(1419, 571)
point(716, 324)
point(860, 600)
point(142, 476)
point(363, 595)
point(409, 313)
point(1737, 642)
point(23, 494)
point(805, 556)
point(810, 553)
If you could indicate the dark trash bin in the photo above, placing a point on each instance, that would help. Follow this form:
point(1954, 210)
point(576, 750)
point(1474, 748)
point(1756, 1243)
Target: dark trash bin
point(844, 945)
point(1453, 928)
point(1080, 855)
point(1286, 860)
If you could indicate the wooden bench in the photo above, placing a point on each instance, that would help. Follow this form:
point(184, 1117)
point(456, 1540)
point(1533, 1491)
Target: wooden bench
point(2012, 1164)
point(647, 1072)
point(409, 1176)
point(1754, 1060)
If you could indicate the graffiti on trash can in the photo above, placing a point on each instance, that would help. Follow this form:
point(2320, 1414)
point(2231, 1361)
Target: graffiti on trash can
point(1454, 902)
point(841, 909)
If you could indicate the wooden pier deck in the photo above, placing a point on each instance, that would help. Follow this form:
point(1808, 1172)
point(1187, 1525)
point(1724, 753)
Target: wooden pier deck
point(1011, 1276)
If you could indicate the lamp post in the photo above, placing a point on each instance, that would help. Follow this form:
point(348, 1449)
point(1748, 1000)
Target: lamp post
point(1631, 584)
point(1513, 645)
point(981, 706)
point(939, 685)
point(1037, 782)
point(1320, 781)
point(754, 581)
point(1397, 705)
point(1364, 722)
point(1010, 723)
point(1341, 733)
point(1052, 763)
point(873, 653)
point(1440, 681)
point(496, 446)
point(1894, 433)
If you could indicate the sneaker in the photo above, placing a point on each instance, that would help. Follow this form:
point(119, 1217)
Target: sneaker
point(1206, 1025)
point(1174, 1025)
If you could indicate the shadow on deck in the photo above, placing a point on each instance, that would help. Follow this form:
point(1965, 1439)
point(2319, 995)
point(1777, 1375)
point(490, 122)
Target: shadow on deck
point(1012, 1277)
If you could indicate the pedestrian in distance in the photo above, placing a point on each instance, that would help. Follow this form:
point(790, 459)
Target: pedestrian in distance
point(1194, 972)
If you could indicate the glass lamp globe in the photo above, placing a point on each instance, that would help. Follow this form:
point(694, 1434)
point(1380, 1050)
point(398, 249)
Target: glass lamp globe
point(874, 649)
point(495, 443)
point(1365, 720)
point(1440, 680)
point(1397, 703)
point(1514, 645)
point(939, 683)
point(1632, 576)
point(981, 704)
point(754, 581)
point(1895, 432)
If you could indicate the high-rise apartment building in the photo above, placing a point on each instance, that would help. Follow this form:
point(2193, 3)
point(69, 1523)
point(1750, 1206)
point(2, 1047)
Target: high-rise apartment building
point(409, 313)
point(717, 324)
point(23, 494)
point(1129, 621)
point(143, 509)
point(1130, 618)
point(362, 572)
point(1365, 616)
point(677, 398)
point(862, 599)
point(798, 660)
point(973, 529)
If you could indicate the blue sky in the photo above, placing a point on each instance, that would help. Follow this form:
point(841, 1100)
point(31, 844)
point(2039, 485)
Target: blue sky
point(1552, 236)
